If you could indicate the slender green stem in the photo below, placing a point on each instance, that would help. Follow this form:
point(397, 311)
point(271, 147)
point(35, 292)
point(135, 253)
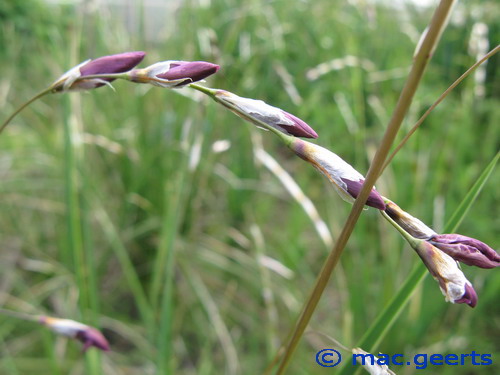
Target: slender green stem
point(439, 100)
point(410, 239)
point(51, 90)
point(421, 59)
point(19, 315)
point(206, 90)
point(17, 111)
point(104, 76)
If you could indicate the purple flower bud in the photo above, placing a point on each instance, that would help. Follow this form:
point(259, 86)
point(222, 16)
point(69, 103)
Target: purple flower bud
point(345, 179)
point(172, 74)
point(374, 199)
point(89, 336)
point(118, 63)
point(410, 224)
point(92, 337)
point(301, 129)
point(466, 250)
point(469, 297)
point(251, 110)
point(111, 64)
point(192, 70)
point(452, 282)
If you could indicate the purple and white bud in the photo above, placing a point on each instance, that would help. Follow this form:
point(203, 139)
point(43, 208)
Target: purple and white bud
point(410, 224)
point(346, 180)
point(371, 366)
point(174, 74)
point(452, 281)
point(251, 110)
point(89, 336)
point(466, 250)
point(119, 63)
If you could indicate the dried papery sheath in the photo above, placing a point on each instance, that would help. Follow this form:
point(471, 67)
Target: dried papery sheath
point(371, 363)
point(111, 64)
point(466, 250)
point(174, 74)
point(346, 180)
point(89, 336)
point(410, 224)
point(251, 110)
point(452, 281)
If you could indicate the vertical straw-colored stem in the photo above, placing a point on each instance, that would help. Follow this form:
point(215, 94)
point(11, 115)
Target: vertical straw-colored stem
point(421, 59)
point(383, 322)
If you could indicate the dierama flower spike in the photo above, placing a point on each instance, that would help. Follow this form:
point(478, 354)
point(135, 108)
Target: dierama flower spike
point(89, 336)
point(410, 224)
point(170, 74)
point(251, 109)
point(466, 250)
point(452, 282)
point(346, 180)
point(120, 63)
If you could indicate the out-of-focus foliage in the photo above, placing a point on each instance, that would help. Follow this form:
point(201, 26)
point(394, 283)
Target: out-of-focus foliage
point(95, 186)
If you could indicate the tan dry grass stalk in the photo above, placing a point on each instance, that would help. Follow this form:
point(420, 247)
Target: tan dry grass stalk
point(422, 57)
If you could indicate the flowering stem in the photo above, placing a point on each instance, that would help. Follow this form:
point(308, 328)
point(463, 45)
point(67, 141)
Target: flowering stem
point(421, 59)
point(17, 111)
point(19, 315)
point(439, 100)
point(51, 89)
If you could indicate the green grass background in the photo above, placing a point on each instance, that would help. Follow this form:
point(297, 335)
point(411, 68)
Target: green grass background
point(108, 216)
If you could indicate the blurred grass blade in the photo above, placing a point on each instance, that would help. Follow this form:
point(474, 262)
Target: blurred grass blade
point(464, 207)
point(387, 317)
point(421, 59)
point(436, 103)
point(129, 272)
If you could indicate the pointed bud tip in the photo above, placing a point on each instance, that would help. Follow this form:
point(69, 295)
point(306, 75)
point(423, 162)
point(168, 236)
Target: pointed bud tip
point(467, 250)
point(301, 129)
point(192, 70)
point(469, 297)
point(374, 200)
point(92, 337)
point(118, 63)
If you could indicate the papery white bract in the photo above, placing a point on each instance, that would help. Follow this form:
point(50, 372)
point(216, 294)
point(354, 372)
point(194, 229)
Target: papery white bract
point(370, 362)
point(88, 335)
point(346, 180)
point(452, 281)
point(410, 224)
point(251, 110)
